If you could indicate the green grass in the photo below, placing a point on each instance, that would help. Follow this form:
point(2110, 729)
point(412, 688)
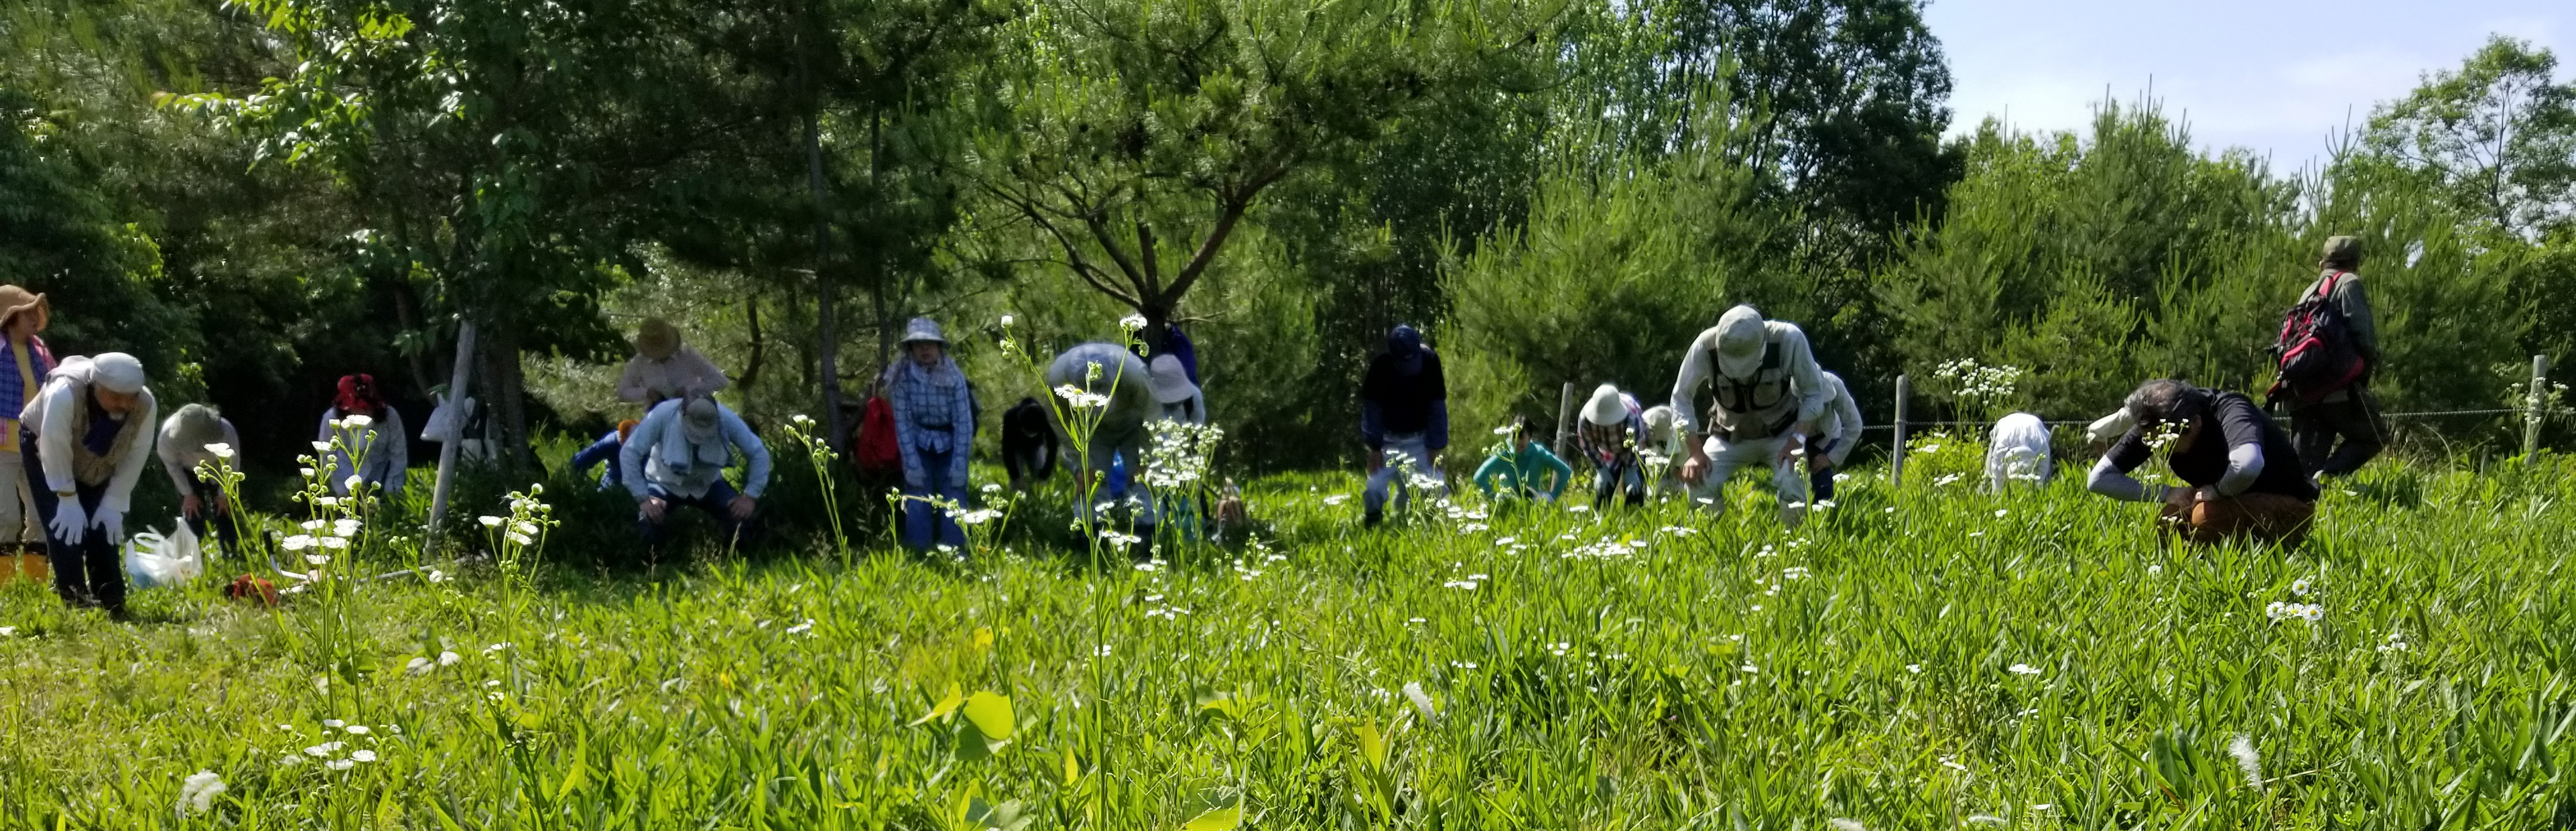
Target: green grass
point(1729, 676)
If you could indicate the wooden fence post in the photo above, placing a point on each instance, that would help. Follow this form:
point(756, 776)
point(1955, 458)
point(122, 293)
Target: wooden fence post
point(1564, 417)
point(1896, 457)
point(2533, 401)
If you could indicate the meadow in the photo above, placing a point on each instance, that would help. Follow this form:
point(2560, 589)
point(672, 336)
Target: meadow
point(1924, 656)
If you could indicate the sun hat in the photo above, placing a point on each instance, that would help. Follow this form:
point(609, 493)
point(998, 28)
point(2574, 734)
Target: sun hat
point(1740, 337)
point(2343, 251)
point(700, 418)
point(117, 371)
point(922, 329)
point(1605, 409)
point(15, 299)
point(657, 339)
point(1171, 383)
point(197, 425)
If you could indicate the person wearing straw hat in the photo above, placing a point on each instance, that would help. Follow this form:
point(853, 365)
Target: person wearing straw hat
point(366, 438)
point(1125, 403)
point(189, 439)
point(677, 456)
point(1404, 416)
point(2242, 473)
point(1769, 394)
point(84, 440)
point(665, 368)
point(1834, 437)
point(24, 361)
point(934, 428)
point(1613, 429)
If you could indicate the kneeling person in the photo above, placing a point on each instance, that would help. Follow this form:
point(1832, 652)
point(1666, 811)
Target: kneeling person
point(1769, 393)
point(677, 456)
point(2242, 472)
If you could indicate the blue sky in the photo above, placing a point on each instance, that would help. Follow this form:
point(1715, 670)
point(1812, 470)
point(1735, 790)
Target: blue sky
point(2274, 76)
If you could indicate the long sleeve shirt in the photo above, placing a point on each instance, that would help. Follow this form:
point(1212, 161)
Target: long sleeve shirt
point(1521, 469)
point(934, 413)
point(1808, 396)
point(1839, 431)
point(2349, 297)
point(686, 372)
point(1393, 401)
point(51, 416)
point(2239, 450)
point(181, 462)
point(385, 449)
point(659, 452)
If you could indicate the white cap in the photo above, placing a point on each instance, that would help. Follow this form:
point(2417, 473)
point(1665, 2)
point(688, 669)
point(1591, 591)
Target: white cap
point(1740, 336)
point(1605, 408)
point(117, 371)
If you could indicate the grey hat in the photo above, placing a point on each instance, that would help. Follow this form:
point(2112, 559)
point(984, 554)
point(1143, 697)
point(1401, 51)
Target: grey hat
point(195, 426)
point(1171, 383)
point(1740, 337)
point(923, 329)
point(2342, 251)
point(117, 371)
point(700, 418)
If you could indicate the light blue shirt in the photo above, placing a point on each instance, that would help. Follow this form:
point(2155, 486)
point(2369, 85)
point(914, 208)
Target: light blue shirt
point(660, 452)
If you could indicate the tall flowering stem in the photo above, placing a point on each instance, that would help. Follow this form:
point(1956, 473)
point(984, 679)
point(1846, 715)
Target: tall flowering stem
point(818, 452)
point(1176, 469)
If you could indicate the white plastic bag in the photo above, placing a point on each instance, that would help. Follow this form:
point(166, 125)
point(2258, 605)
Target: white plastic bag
point(153, 560)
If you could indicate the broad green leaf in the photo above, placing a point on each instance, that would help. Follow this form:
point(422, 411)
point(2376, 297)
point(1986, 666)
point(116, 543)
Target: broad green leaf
point(1217, 819)
point(991, 714)
point(947, 704)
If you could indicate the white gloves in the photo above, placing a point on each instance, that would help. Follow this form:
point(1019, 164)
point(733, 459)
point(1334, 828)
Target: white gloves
point(111, 521)
point(71, 524)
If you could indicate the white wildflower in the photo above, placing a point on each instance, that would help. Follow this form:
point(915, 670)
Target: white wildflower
point(298, 542)
point(419, 666)
point(359, 420)
point(2300, 587)
point(362, 756)
point(1132, 322)
point(317, 559)
point(2242, 748)
point(339, 764)
point(490, 521)
point(1006, 320)
point(1421, 700)
point(446, 659)
point(332, 542)
point(1841, 824)
point(197, 793)
point(354, 482)
point(221, 451)
point(322, 750)
point(2023, 669)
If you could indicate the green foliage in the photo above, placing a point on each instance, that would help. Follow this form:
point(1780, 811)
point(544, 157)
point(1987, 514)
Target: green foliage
point(64, 241)
point(2496, 137)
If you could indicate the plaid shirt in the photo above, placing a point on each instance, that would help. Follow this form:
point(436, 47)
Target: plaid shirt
point(13, 389)
point(932, 414)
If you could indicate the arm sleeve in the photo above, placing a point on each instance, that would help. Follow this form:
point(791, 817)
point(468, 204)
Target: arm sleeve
point(598, 451)
point(1372, 424)
point(639, 444)
point(2244, 465)
point(899, 398)
point(129, 470)
point(2356, 310)
point(181, 478)
point(1813, 395)
point(1847, 424)
point(1694, 371)
point(755, 475)
point(2108, 479)
point(1564, 472)
point(54, 440)
point(706, 378)
point(962, 432)
point(630, 383)
point(1485, 473)
point(1436, 437)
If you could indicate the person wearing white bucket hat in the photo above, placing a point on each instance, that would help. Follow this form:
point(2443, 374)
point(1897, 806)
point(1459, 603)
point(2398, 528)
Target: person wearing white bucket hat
point(1180, 399)
point(677, 456)
point(84, 440)
point(1613, 429)
point(934, 428)
point(1769, 394)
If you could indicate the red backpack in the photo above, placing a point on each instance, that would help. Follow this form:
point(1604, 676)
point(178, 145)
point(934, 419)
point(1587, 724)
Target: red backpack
point(878, 452)
point(2316, 349)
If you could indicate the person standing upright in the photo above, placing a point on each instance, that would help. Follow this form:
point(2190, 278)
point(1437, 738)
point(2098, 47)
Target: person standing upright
point(1768, 393)
point(934, 426)
point(83, 441)
point(2329, 349)
point(24, 362)
point(1404, 412)
point(664, 368)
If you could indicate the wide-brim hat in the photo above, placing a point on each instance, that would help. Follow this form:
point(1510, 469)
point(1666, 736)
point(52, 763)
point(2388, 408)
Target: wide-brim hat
point(700, 420)
point(1740, 336)
point(15, 299)
point(657, 339)
point(1606, 408)
point(922, 330)
point(197, 425)
point(1171, 383)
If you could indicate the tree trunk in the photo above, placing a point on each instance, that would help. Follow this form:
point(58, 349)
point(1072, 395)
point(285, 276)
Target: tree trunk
point(751, 372)
point(506, 388)
point(825, 319)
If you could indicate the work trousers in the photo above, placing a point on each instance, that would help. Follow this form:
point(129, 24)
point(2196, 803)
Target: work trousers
point(2354, 419)
point(1396, 476)
point(1726, 457)
point(89, 573)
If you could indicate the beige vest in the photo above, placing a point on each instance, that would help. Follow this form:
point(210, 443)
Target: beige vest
point(94, 469)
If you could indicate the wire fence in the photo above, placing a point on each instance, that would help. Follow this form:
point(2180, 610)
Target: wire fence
point(2555, 412)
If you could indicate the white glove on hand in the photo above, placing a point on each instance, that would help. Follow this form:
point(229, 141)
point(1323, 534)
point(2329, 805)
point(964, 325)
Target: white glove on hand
point(111, 521)
point(71, 524)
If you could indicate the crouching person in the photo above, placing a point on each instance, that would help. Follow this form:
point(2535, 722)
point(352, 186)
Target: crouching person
point(1769, 395)
point(183, 449)
point(84, 440)
point(677, 456)
point(2242, 473)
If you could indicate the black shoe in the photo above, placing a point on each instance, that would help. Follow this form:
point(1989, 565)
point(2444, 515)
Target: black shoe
point(1371, 519)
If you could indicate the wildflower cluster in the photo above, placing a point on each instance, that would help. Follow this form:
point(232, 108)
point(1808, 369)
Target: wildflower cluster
point(1978, 389)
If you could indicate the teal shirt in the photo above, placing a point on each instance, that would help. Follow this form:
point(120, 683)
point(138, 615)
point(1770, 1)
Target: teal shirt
point(1522, 468)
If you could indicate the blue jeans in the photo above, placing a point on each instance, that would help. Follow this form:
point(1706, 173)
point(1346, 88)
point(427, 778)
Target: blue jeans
point(718, 501)
point(89, 572)
point(925, 524)
point(1611, 480)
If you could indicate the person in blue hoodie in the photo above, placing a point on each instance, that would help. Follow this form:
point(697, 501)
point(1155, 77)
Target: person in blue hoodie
point(1404, 419)
point(606, 450)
